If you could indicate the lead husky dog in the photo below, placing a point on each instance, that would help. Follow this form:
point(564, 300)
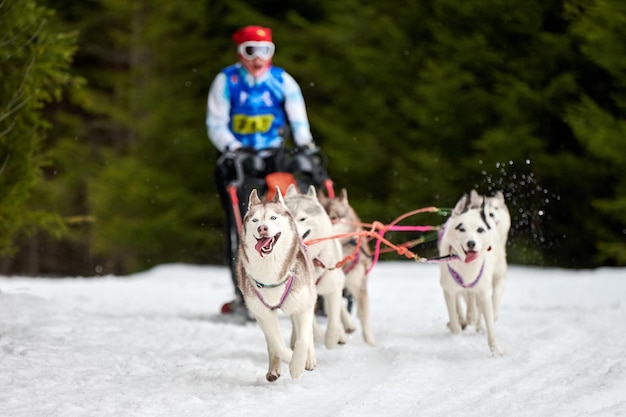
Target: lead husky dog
point(472, 238)
point(345, 220)
point(274, 272)
point(313, 222)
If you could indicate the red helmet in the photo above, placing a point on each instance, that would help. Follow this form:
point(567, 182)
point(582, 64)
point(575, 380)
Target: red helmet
point(252, 33)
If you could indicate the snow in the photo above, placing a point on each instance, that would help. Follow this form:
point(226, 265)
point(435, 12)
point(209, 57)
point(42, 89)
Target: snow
point(153, 344)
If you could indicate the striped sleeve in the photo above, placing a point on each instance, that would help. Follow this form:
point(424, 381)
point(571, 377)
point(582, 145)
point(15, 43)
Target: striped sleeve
point(218, 114)
point(296, 111)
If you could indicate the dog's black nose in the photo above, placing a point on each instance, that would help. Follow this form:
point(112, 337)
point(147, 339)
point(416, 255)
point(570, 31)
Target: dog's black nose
point(471, 244)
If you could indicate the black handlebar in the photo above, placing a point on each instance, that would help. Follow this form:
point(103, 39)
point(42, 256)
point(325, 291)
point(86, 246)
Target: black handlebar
point(251, 162)
point(239, 158)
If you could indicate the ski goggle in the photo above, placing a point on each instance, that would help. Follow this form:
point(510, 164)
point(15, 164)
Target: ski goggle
point(260, 49)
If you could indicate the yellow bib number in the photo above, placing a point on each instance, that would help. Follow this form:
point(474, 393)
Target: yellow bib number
point(244, 125)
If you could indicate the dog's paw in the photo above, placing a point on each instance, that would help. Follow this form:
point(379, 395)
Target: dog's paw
point(334, 336)
point(369, 339)
point(455, 328)
point(496, 351)
point(310, 364)
point(272, 376)
point(296, 370)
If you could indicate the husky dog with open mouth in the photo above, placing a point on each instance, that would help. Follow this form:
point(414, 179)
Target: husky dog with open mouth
point(275, 273)
point(345, 221)
point(312, 223)
point(471, 237)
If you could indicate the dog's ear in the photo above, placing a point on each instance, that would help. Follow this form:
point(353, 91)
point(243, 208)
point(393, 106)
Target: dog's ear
point(278, 196)
point(461, 205)
point(254, 198)
point(343, 196)
point(322, 197)
point(311, 191)
point(475, 199)
point(292, 190)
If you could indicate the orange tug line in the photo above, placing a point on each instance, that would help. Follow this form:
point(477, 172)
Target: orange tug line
point(372, 233)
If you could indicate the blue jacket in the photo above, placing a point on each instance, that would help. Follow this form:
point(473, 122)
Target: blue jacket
point(247, 111)
point(257, 117)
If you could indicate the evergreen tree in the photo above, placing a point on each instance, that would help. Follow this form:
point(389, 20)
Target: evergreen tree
point(492, 93)
point(151, 201)
point(599, 118)
point(34, 62)
point(414, 104)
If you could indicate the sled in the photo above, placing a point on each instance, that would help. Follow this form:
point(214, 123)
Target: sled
point(300, 167)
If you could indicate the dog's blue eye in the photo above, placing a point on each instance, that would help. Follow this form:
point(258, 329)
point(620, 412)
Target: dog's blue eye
point(273, 218)
point(255, 220)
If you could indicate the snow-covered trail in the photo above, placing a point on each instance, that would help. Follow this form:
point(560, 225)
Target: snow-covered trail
point(153, 345)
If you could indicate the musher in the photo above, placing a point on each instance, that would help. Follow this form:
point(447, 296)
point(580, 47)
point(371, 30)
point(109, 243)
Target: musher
point(252, 107)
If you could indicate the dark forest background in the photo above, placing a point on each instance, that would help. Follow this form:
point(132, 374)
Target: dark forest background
point(105, 165)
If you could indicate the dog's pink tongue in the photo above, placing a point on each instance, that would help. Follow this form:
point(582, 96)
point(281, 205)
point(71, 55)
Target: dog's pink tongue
point(262, 245)
point(470, 256)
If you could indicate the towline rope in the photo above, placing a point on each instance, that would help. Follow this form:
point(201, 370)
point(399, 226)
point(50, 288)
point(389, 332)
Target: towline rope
point(377, 231)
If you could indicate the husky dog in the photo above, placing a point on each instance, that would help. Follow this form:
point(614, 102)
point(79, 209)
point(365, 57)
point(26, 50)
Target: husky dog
point(500, 214)
point(500, 218)
point(274, 272)
point(471, 236)
point(313, 222)
point(345, 220)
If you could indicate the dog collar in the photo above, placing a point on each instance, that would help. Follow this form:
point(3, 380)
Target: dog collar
point(261, 285)
point(459, 280)
point(287, 282)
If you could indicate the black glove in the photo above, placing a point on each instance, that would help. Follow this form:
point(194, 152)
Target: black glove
point(240, 152)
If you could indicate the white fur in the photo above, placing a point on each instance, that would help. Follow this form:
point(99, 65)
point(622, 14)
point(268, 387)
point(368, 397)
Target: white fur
point(313, 222)
point(500, 218)
point(288, 257)
point(346, 221)
point(467, 231)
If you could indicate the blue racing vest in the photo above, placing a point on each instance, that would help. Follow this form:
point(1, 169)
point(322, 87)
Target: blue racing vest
point(257, 114)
